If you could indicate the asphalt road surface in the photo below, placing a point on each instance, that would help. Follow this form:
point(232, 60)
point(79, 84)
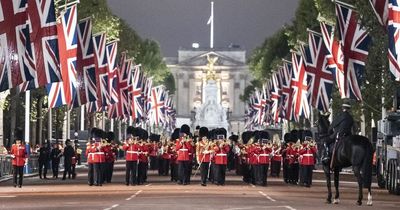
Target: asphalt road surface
point(160, 193)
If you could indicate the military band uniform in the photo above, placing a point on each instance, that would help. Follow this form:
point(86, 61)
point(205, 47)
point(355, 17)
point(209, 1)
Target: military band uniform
point(19, 156)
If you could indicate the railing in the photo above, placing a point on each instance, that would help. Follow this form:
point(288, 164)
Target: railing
point(6, 167)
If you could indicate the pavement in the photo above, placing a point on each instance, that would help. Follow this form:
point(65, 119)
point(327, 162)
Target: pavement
point(160, 193)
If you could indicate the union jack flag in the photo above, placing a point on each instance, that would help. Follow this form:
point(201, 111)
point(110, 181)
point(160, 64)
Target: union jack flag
point(45, 44)
point(17, 64)
point(394, 41)
point(136, 94)
point(354, 41)
point(61, 93)
point(170, 113)
point(124, 77)
point(285, 74)
point(103, 96)
point(275, 97)
point(299, 84)
point(380, 8)
point(156, 104)
point(317, 67)
point(257, 105)
point(266, 100)
point(86, 70)
point(113, 79)
point(147, 86)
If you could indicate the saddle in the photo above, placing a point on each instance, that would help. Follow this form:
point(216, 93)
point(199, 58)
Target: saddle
point(339, 138)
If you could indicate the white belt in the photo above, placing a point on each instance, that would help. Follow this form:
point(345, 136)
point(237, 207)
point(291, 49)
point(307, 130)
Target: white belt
point(308, 155)
point(99, 153)
point(132, 152)
point(221, 154)
point(264, 154)
point(183, 149)
point(281, 155)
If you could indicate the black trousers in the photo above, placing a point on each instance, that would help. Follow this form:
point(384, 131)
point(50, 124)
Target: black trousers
point(108, 172)
point(174, 172)
point(73, 166)
point(301, 174)
point(211, 173)
point(183, 171)
point(154, 163)
point(98, 173)
point(220, 173)
point(67, 169)
point(253, 173)
point(275, 168)
point(262, 174)
point(130, 175)
point(285, 168)
point(90, 173)
point(142, 172)
point(163, 167)
point(307, 174)
point(189, 172)
point(18, 175)
point(54, 167)
point(245, 169)
point(204, 167)
point(43, 168)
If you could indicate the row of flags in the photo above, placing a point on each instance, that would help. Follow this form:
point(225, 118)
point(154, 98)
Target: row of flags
point(77, 67)
point(307, 80)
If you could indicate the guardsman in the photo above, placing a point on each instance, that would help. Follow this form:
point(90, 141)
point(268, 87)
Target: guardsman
point(276, 160)
point(99, 157)
point(308, 151)
point(264, 158)
point(131, 148)
point(184, 147)
point(174, 155)
point(19, 158)
point(110, 158)
point(244, 167)
point(233, 160)
point(90, 150)
point(252, 157)
point(143, 157)
point(203, 152)
point(221, 150)
point(165, 157)
point(153, 151)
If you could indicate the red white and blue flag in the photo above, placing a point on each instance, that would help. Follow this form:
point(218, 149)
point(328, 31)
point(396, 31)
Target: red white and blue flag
point(393, 29)
point(136, 101)
point(124, 79)
point(355, 41)
point(113, 79)
point(86, 71)
point(16, 53)
point(103, 96)
point(156, 105)
point(285, 74)
point(299, 85)
point(43, 36)
point(317, 67)
point(275, 97)
point(380, 8)
point(61, 93)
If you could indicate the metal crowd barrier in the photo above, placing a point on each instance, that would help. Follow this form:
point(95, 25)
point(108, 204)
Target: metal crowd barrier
point(5, 165)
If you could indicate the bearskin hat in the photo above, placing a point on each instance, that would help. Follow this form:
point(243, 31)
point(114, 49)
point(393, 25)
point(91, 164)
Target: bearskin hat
point(97, 133)
point(19, 134)
point(234, 138)
point(144, 135)
point(175, 134)
point(203, 132)
point(246, 136)
point(306, 133)
point(110, 136)
point(287, 137)
point(222, 131)
point(154, 137)
point(260, 135)
point(185, 129)
point(130, 130)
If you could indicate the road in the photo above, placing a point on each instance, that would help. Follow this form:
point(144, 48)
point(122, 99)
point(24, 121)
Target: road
point(162, 194)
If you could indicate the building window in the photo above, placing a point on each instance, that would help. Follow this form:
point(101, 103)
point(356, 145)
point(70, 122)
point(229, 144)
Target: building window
point(237, 85)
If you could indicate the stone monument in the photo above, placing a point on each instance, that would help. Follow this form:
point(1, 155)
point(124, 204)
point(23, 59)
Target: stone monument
point(211, 114)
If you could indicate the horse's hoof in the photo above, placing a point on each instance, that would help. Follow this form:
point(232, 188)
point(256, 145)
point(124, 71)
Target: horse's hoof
point(335, 201)
point(328, 201)
point(359, 203)
point(369, 203)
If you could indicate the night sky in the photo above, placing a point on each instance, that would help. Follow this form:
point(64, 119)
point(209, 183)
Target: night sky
point(179, 23)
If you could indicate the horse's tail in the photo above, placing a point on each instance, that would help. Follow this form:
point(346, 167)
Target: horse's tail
point(367, 165)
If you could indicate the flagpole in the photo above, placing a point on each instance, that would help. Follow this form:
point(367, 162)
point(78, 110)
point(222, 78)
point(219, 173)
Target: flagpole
point(27, 112)
point(82, 124)
point(49, 125)
point(112, 125)
point(103, 120)
point(211, 22)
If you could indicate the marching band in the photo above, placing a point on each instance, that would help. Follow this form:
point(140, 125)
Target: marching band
point(254, 156)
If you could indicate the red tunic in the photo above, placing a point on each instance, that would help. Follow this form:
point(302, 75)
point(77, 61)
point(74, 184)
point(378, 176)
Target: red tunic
point(204, 155)
point(277, 154)
point(144, 153)
point(20, 154)
point(263, 156)
point(90, 153)
point(99, 156)
point(109, 154)
point(221, 155)
point(153, 148)
point(308, 156)
point(132, 152)
point(183, 149)
point(252, 155)
point(166, 153)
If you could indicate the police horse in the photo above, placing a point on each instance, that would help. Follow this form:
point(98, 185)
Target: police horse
point(353, 150)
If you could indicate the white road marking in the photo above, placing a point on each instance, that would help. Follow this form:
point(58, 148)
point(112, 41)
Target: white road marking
point(289, 207)
point(265, 195)
point(134, 195)
point(264, 207)
point(113, 206)
point(147, 185)
point(252, 185)
point(7, 196)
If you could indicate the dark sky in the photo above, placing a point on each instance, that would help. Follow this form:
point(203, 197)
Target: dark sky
point(179, 23)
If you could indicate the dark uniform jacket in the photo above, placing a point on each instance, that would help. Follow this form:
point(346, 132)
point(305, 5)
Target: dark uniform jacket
point(44, 154)
point(342, 124)
point(55, 154)
point(68, 154)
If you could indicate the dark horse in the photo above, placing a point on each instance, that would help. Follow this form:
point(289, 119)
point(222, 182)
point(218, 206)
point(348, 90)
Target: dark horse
point(353, 150)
